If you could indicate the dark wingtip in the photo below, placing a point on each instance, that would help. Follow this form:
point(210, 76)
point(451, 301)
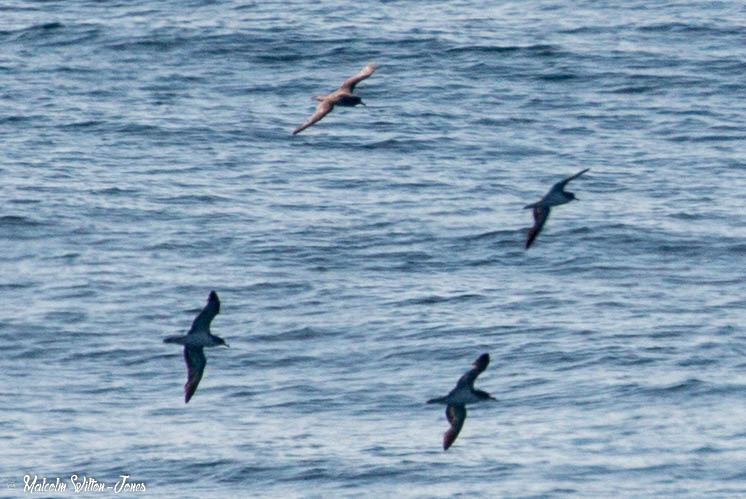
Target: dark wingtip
point(530, 237)
point(482, 361)
point(448, 440)
point(213, 299)
point(189, 390)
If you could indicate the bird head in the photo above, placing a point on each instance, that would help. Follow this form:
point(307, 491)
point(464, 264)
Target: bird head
point(351, 100)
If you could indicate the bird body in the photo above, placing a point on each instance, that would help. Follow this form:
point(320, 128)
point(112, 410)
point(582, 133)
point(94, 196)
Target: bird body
point(459, 396)
point(456, 400)
point(195, 339)
point(198, 337)
point(343, 96)
point(552, 198)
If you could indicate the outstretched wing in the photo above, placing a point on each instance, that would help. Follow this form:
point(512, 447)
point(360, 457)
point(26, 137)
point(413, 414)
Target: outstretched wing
point(540, 217)
point(560, 186)
point(195, 362)
point(204, 318)
point(456, 415)
point(322, 110)
point(469, 376)
point(349, 83)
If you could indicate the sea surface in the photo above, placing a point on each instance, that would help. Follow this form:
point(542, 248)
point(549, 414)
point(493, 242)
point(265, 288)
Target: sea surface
point(365, 263)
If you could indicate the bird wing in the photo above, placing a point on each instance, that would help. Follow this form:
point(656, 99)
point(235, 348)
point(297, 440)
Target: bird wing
point(204, 318)
point(560, 186)
point(469, 376)
point(456, 415)
point(195, 362)
point(322, 110)
point(349, 83)
point(540, 217)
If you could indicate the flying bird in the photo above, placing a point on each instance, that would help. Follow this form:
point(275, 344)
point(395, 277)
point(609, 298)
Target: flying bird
point(463, 394)
point(556, 196)
point(343, 96)
point(195, 340)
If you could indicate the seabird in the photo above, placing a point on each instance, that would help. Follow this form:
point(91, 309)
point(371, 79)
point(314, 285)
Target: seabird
point(463, 394)
point(343, 96)
point(556, 196)
point(195, 340)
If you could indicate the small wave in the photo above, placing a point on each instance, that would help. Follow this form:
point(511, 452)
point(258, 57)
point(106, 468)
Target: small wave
point(138, 129)
point(705, 138)
point(560, 76)
point(494, 234)
point(687, 387)
point(397, 144)
point(632, 89)
point(301, 334)
point(680, 27)
point(18, 221)
point(66, 317)
point(538, 49)
point(189, 199)
point(15, 119)
point(435, 299)
point(697, 362)
point(40, 28)
point(114, 191)
point(14, 285)
point(82, 124)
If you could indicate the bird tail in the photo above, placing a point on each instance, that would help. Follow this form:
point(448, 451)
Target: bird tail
point(437, 400)
point(532, 205)
point(174, 339)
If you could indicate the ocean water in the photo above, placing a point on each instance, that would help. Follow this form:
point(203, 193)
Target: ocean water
point(365, 263)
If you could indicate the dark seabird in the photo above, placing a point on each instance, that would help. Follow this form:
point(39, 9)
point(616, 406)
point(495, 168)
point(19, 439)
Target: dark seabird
point(463, 394)
point(195, 340)
point(556, 196)
point(343, 96)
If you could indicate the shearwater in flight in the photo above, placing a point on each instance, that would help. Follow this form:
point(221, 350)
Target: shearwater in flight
point(463, 394)
point(195, 340)
point(556, 196)
point(343, 96)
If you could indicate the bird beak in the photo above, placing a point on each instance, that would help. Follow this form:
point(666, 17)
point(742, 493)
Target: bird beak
point(363, 103)
point(226, 344)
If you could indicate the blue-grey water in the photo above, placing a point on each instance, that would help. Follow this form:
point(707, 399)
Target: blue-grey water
point(365, 263)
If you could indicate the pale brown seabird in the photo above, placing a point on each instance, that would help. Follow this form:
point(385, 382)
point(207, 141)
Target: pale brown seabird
point(343, 96)
point(556, 196)
point(199, 336)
